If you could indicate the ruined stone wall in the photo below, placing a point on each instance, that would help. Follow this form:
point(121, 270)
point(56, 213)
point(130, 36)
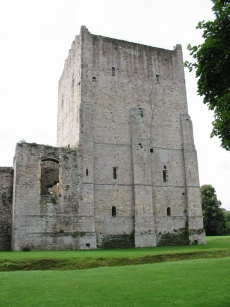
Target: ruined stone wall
point(46, 200)
point(134, 163)
point(6, 190)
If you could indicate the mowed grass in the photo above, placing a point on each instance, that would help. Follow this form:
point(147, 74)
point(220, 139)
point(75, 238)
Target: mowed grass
point(201, 282)
point(216, 247)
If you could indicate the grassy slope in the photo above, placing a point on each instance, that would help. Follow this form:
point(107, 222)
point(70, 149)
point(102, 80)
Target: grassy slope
point(66, 260)
point(202, 282)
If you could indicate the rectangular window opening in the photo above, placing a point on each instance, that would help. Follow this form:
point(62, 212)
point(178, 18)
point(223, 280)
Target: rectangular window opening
point(151, 150)
point(114, 211)
point(158, 78)
point(168, 211)
point(113, 71)
point(87, 172)
point(115, 173)
point(164, 175)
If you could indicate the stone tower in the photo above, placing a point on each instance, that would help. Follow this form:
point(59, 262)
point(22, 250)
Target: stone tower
point(125, 171)
point(124, 106)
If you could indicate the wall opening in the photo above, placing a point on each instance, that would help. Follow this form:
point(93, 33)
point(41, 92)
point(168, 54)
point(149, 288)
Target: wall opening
point(49, 177)
point(141, 112)
point(87, 245)
point(87, 172)
point(113, 71)
point(158, 78)
point(151, 150)
point(115, 172)
point(164, 174)
point(114, 211)
point(168, 211)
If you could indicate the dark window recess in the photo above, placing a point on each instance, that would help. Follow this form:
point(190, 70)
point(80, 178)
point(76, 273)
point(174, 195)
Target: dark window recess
point(168, 211)
point(114, 211)
point(158, 78)
point(151, 150)
point(49, 176)
point(164, 174)
point(87, 172)
point(115, 173)
point(94, 78)
point(113, 71)
point(87, 245)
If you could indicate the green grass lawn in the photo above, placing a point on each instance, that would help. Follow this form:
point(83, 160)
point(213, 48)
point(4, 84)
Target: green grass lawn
point(44, 279)
point(201, 282)
point(79, 259)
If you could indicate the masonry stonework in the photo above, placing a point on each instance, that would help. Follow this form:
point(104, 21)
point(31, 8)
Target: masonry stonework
point(6, 189)
point(125, 171)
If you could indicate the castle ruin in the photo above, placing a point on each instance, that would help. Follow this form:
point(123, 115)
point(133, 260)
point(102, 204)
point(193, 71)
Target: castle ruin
point(124, 172)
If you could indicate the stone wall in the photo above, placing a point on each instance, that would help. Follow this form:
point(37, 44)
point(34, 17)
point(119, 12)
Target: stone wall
point(136, 145)
point(46, 200)
point(6, 190)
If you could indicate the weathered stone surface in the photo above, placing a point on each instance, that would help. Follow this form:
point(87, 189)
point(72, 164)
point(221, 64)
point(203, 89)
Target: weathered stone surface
point(132, 119)
point(6, 190)
point(133, 181)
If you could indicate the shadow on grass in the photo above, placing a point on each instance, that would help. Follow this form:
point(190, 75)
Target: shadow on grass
point(88, 263)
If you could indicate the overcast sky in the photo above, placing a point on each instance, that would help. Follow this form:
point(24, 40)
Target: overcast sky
point(35, 37)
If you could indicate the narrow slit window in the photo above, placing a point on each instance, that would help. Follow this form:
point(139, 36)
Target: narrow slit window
point(164, 174)
point(87, 172)
point(158, 78)
point(168, 211)
point(114, 211)
point(151, 150)
point(113, 71)
point(115, 173)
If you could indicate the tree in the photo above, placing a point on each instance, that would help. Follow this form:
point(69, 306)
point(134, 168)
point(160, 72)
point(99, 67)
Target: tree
point(212, 66)
point(214, 218)
point(227, 221)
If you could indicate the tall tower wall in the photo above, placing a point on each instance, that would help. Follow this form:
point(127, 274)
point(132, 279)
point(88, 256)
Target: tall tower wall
point(133, 152)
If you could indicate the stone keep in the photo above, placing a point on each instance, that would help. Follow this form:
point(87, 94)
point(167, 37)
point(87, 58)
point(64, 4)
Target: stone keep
point(125, 171)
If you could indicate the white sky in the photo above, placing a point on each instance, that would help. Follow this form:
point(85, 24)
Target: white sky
point(35, 36)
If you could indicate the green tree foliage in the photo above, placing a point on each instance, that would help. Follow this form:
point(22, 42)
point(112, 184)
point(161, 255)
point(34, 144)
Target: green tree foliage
point(212, 66)
point(214, 218)
point(227, 221)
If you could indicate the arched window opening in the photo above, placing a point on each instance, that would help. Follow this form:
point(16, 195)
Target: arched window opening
point(114, 211)
point(49, 177)
point(168, 211)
